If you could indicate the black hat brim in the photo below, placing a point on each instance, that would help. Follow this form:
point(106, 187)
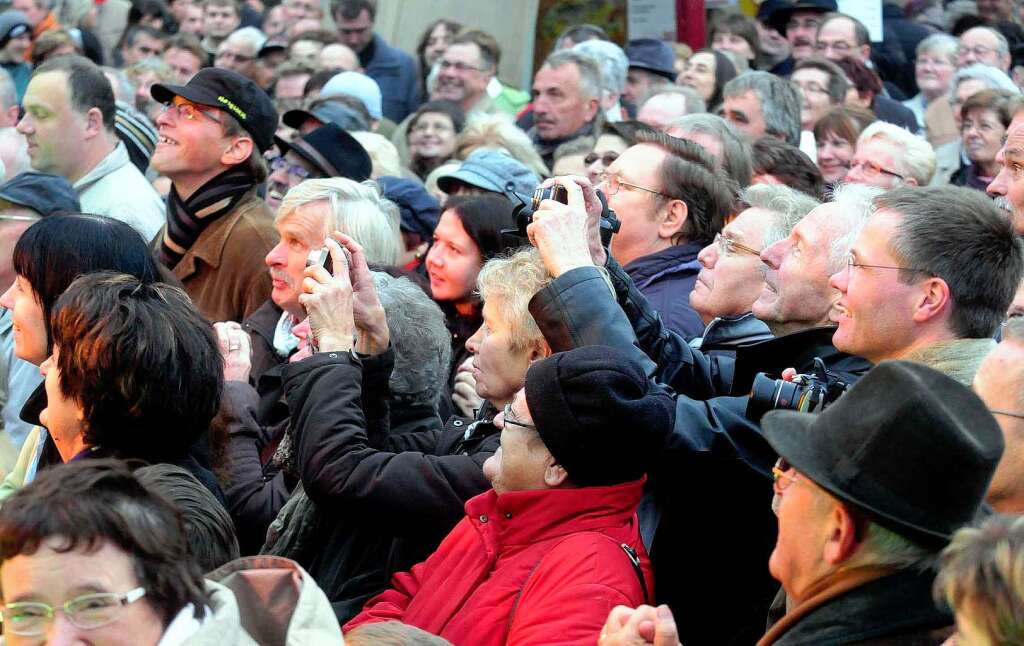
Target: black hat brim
point(286, 147)
point(164, 93)
point(295, 119)
point(780, 17)
point(797, 438)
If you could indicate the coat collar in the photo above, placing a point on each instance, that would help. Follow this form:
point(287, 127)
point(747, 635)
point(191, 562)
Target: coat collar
point(680, 258)
point(527, 517)
point(117, 158)
point(209, 248)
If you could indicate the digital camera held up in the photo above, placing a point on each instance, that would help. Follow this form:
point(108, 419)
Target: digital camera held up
point(523, 212)
point(805, 393)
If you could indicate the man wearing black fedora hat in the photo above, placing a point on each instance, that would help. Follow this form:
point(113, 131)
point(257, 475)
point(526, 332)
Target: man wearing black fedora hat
point(651, 63)
point(212, 136)
point(867, 494)
point(327, 151)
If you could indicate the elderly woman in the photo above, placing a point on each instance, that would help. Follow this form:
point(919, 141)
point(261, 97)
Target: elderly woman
point(431, 135)
point(125, 355)
point(90, 555)
point(985, 116)
point(707, 72)
point(933, 70)
point(835, 136)
point(405, 492)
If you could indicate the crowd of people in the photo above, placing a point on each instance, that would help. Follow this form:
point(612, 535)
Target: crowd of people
point(307, 339)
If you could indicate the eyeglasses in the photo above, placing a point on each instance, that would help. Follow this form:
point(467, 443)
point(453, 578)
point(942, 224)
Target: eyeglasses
point(781, 477)
point(185, 109)
point(612, 183)
point(810, 88)
point(840, 48)
point(437, 126)
point(606, 158)
point(1008, 413)
point(458, 66)
point(727, 246)
point(89, 611)
point(851, 262)
point(872, 170)
point(509, 419)
point(280, 163)
point(979, 51)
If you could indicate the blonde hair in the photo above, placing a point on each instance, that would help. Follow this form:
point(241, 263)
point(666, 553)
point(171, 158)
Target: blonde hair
point(982, 578)
point(917, 158)
point(509, 282)
point(497, 132)
point(382, 153)
point(356, 209)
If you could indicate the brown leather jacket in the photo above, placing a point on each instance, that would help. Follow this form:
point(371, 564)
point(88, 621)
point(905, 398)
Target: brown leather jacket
point(223, 272)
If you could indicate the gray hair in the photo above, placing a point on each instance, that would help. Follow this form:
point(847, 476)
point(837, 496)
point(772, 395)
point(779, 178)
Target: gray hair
point(124, 89)
point(356, 209)
point(780, 102)
point(736, 152)
point(993, 78)
point(151, 65)
point(590, 72)
point(251, 36)
point(8, 93)
point(916, 156)
point(939, 45)
point(883, 547)
point(612, 61)
point(509, 283)
point(787, 205)
point(420, 338)
point(693, 102)
point(856, 204)
point(1002, 45)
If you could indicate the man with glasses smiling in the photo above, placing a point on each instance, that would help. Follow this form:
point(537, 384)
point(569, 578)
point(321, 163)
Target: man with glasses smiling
point(212, 137)
point(986, 46)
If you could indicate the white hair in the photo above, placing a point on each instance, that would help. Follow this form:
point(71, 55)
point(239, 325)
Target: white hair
point(356, 209)
point(939, 45)
point(251, 36)
point(993, 78)
point(916, 158)
point(856, 204)
point(611, 59)
point(787, 205)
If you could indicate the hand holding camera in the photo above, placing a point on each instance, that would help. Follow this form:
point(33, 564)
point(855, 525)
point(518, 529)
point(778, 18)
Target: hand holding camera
point(561, 226)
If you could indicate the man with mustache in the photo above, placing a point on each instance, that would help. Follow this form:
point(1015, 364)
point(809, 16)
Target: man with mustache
point(1008, 186)
point(798, 21)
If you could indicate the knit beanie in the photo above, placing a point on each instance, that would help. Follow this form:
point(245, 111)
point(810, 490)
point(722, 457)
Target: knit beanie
point(598, 414)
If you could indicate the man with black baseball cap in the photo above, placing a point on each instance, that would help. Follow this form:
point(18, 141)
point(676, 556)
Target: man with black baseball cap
point(327, 151)
point(212, 137)
point(867, 494)
point(24, 200)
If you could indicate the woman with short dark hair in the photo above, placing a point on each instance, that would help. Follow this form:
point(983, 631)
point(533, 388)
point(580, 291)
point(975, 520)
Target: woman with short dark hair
point(431, 135)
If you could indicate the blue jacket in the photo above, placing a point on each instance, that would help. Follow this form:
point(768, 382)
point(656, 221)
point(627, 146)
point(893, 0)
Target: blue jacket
point(398, 77)
point(666, 279)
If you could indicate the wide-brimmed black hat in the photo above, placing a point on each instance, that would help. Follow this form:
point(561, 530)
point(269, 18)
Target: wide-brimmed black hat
point(332, 151)
point(231, 92)
point(779, 16)
point(910, 447)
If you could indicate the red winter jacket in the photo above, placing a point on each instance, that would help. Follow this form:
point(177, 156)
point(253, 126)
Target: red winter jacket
point(526, 567)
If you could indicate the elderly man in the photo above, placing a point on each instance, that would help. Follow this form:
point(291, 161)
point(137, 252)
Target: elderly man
point(393, 69)
point(868, 487)
point(1008, 186)
point(711, 416)
point(69, 126)
point(614, 65)
point(986, 46)
point(567, 95)
point(732, 275)
point(667, 104)
point(1000, 384)
point(327, 151)
point(212, 139)
point(888, 156)
point(238, 52)
point(905, 296)
point(715, 135)
point(555, 544)
point(651, 64)
point(841, 36)
point(799, 22)
point(760, 104)
point(665, 224)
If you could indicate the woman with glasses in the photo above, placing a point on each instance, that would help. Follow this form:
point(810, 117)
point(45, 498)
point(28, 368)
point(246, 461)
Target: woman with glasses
point(89, 555)
point(431, 135)
point(985, 116)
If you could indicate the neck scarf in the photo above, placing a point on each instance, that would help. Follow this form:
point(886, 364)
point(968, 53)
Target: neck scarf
point(187, 219)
